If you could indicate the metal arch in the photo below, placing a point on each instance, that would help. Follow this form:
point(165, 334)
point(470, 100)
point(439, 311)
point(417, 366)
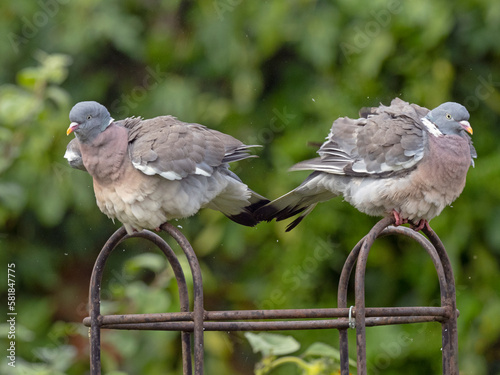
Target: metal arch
point(198, 310)
point(435, 249)
point(96, 319)
point(198, 320)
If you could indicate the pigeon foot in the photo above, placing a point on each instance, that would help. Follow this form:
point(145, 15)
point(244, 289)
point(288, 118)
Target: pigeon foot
point(399, 220)
point(420, 225)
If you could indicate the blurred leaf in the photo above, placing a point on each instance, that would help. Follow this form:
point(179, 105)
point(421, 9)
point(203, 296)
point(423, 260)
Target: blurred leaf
point(272, 344)
point(60, 358)
point(153, 262)
point(12, 196)
point(22, 333)
point(147, 300)
point(28, 78)
point(320, 349)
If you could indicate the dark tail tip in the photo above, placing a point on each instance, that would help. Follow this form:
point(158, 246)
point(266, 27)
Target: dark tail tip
point(294, 223)
point(270, 212)
point(266, 213)
point(248, 216)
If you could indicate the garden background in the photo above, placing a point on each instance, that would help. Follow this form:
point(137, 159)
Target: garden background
point(274, 73)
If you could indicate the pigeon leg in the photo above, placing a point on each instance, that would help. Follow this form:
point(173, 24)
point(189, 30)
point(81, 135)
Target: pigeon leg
point(399, 219)
point(420, 225)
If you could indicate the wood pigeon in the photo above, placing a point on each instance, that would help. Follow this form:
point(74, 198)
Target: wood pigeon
point(400, 160)
point(147, 172)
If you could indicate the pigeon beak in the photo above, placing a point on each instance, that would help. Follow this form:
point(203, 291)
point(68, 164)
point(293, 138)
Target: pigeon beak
point(466, 126)
point(72, 127)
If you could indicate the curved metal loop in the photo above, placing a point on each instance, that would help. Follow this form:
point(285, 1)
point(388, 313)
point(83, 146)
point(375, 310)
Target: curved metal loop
point(95, 290)
point(341, 318)
point(198, 309)
point(359, 256)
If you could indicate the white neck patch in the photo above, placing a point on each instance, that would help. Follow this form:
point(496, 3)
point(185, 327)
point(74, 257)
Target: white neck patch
point(429, 125)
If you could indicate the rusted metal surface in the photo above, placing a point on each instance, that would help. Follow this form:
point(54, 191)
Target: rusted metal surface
point(196, 320)
point(271, 314)
point(448, 300)
point(95, 320)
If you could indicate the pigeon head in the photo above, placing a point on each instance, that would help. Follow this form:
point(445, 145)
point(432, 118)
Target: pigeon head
point(88, 119)
point(450, 118)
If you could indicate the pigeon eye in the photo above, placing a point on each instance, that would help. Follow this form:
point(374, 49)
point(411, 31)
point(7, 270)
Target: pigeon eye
point(89, 117)
point(448, 116)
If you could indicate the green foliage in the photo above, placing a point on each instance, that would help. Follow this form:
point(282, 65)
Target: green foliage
point(270, 344)
point(37, 100)
point(318, 359)
point(57, 361)
point(272, 73)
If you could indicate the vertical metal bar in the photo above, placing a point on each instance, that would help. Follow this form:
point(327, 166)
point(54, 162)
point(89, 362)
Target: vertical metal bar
point(183, 292)
point(359, 290)
point(448, 299)
point(342, 303)
point(95, 300)
point(198, 310)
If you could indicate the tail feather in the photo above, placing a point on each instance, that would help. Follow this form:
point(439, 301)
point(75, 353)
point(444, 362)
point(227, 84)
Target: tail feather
point(247, 215)
point(289, 205)
point(282, 208)
point(301, 200)
point(297, 221)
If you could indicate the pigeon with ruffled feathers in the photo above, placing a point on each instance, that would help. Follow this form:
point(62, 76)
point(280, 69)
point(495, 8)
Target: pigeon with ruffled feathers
point(400, 160)
point(148, 172)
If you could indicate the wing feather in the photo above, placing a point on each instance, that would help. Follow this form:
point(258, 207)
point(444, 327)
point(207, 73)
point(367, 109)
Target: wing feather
point(383, 141)
point(174, 149)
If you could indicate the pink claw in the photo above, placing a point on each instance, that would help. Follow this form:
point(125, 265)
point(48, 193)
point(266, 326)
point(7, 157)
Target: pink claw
point(421, 225)
point(399, 219)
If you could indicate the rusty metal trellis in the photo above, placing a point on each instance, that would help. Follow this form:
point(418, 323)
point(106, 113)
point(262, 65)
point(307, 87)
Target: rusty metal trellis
point(193, 322)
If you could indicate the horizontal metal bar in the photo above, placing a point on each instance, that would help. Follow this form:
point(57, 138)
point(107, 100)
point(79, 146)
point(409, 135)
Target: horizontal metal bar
point(270, 314)
point(273, 325)
point(323, 313)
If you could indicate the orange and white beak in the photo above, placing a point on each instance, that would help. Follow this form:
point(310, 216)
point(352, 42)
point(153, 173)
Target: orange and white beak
point(466, 126)
point(72, 127)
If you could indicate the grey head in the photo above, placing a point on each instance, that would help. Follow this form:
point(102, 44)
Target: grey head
point(450, 118)
point(88, 119)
